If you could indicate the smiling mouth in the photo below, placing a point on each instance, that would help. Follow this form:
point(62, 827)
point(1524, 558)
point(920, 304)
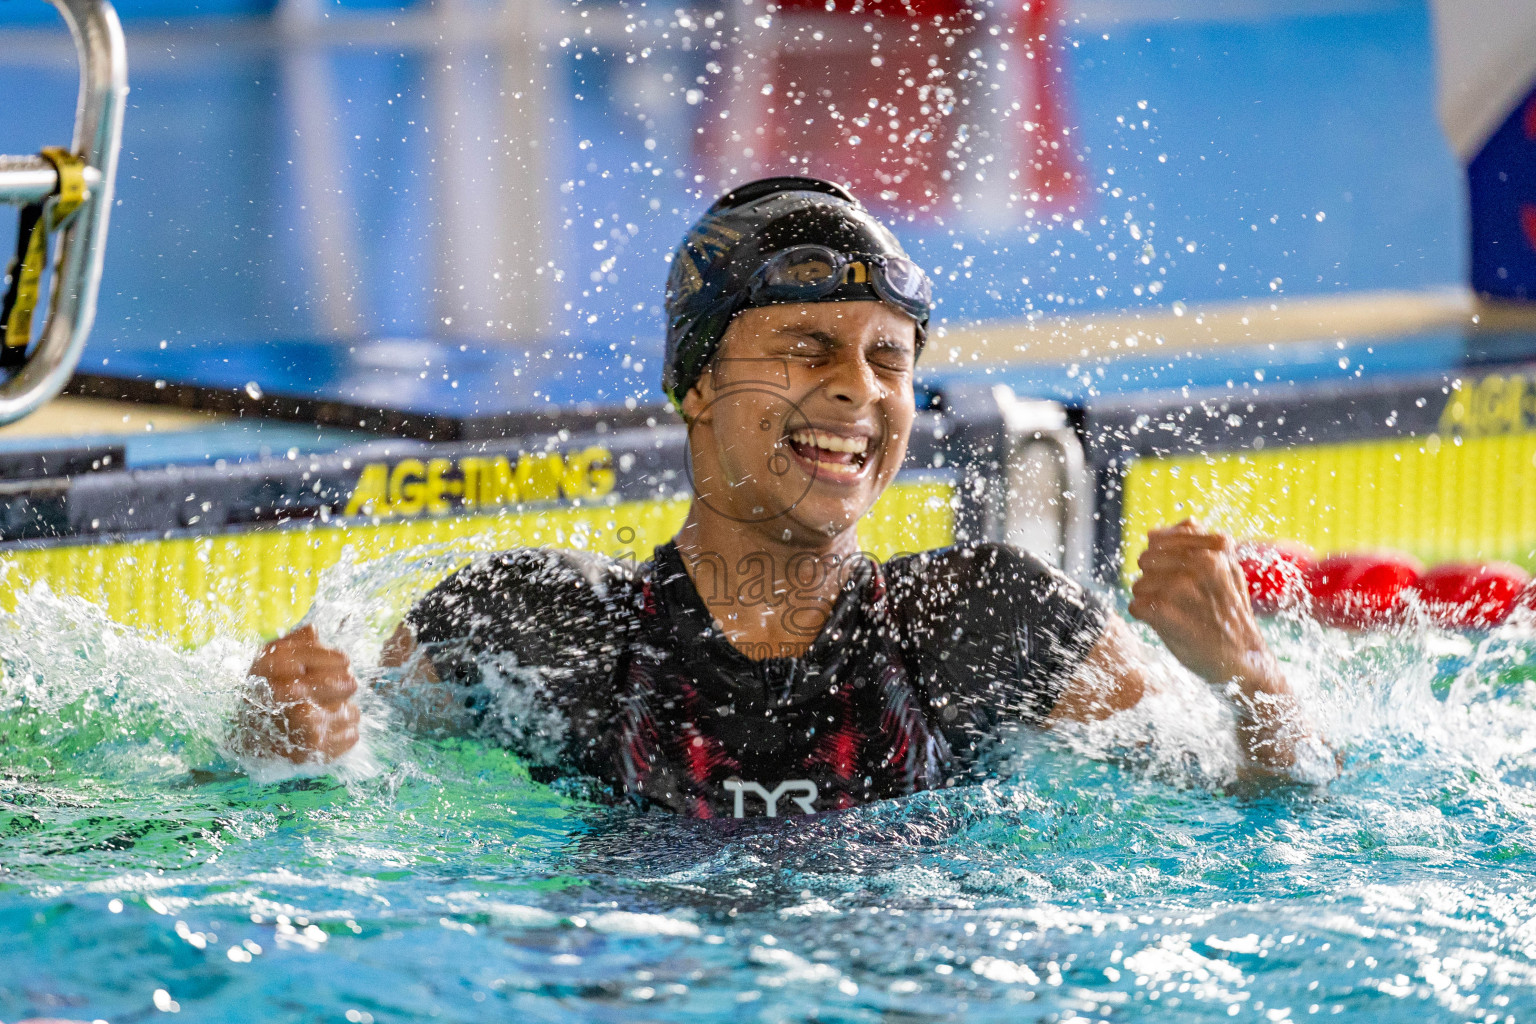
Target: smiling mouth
point(836, 456)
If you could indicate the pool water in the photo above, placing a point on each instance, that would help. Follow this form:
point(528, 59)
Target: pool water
point(1107, 874)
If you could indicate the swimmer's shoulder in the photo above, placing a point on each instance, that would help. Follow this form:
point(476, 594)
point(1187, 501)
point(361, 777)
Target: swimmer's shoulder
point(961, 567)
point(559, 568)
point(994, 632)
point(523, 589)
point(989, 584)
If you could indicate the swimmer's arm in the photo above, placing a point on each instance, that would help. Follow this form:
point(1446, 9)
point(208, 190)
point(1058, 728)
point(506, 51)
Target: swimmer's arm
point(400, 649)
point(412, 682)
point(1192, 593)
point(1112, 678)
point(300, 701)
point(1116, 675)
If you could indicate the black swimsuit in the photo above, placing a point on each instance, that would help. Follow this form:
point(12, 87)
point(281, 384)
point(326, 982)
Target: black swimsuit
point(616, 672)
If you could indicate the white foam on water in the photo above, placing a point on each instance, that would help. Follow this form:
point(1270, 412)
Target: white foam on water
point(623, 922)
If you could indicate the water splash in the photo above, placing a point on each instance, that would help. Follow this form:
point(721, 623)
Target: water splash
point(1105, 872)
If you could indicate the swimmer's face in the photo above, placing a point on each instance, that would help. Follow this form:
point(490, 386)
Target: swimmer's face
point(802, 419)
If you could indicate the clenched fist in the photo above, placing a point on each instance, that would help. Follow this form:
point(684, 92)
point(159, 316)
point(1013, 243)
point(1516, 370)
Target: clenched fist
point(299, 705)
point(1193, 594)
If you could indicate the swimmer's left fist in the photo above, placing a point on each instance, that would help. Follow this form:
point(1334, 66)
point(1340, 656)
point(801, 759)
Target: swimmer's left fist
point(1192, 592)
point(300, 703)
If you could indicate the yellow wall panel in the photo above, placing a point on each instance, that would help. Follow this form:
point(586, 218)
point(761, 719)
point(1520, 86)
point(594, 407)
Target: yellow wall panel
point(261, 582)
point(1438, 499)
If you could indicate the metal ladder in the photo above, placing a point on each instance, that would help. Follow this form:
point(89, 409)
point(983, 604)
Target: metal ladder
point(30, 179)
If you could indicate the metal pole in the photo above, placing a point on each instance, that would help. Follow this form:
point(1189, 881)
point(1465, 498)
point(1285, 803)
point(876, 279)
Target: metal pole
point(31, 179)
point(77, 274)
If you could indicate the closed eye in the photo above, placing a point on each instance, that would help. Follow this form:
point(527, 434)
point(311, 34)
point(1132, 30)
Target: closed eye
point(891, 356)
point(809, 344)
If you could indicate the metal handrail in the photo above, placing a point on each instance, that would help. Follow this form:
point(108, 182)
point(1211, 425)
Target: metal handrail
point(77, 271)
point(31, 179)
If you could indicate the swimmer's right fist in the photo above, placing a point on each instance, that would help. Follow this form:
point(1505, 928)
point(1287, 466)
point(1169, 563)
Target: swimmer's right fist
point(298, 704)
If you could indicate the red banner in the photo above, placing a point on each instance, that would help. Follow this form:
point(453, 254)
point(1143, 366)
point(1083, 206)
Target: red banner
point(925, 105)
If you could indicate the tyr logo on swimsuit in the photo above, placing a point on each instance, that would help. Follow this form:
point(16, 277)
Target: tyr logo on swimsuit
point(806, 801)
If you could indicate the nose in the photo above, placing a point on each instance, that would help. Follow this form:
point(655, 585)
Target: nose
point(852, 381)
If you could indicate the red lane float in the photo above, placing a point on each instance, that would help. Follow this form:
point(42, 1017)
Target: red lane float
point(1276, 574)
point(1378, 589)
point(1365, 591)
point(1463, 596)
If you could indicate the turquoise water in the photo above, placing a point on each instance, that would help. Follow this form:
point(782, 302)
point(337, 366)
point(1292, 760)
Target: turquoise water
point(1107, 874)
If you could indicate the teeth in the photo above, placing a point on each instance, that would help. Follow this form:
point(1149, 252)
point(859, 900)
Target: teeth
point(830, 442)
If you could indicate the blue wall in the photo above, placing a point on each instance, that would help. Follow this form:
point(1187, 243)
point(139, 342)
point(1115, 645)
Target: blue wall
point(1502, 180)
point(1254, 128)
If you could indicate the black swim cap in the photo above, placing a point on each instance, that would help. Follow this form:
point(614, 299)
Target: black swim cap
point(713, 271)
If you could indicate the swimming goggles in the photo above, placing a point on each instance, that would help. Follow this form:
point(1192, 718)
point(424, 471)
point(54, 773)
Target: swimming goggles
point(810, 273)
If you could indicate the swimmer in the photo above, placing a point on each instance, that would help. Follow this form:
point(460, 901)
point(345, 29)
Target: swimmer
point(757, 664)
